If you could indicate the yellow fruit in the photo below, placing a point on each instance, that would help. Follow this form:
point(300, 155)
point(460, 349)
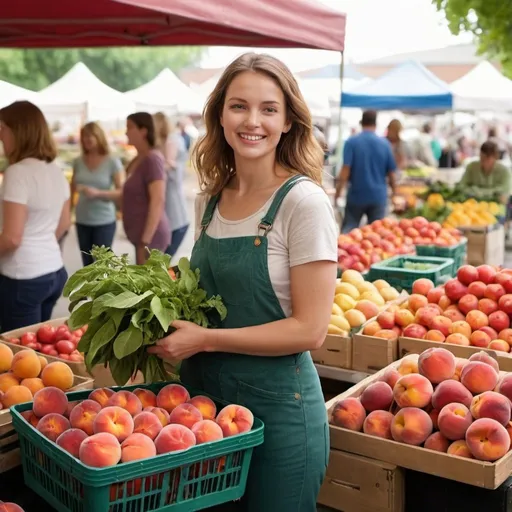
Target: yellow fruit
point(374, 297)
point(435, 201)
point(336, 310)
point(389, 294)
point(340, 322)
point(355, 318)
point(332, 329)
point(365, 286)
point(380, 283)
point(345, 302)
point(352, 277)
point(347, 289)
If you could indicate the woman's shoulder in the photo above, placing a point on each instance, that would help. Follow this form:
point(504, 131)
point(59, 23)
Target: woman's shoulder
point(305, 190)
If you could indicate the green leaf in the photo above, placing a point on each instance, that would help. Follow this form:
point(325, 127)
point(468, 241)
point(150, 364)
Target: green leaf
point(122, 370)
point(184, 265)
point(127, 342)
point(98, 305)
point(73, 304)
point(102, 337)
point(85, 340)
point(162, 314)
point(80, 316)
point(127, 300)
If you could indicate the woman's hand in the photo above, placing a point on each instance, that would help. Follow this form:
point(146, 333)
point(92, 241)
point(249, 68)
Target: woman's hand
point(91, 192)
point(188, 340)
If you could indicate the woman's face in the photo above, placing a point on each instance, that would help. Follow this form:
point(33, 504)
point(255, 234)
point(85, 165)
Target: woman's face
point(89, 142)
point(254, 115)
point(135, 135)
point(7, 138)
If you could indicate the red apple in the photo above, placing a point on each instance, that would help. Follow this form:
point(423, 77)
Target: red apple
point(477, 289)
point(494, 292)
point(467, 303)
point(505, 303)
point(486, 274)
point(467, 274)
point(28, 337)
point(455, 290)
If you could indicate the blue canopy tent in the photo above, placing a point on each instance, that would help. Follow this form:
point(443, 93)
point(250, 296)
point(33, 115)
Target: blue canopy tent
point(407, 87)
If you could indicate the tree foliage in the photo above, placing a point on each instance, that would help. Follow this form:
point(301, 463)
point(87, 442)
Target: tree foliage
point(121, 68)
point(489, 20)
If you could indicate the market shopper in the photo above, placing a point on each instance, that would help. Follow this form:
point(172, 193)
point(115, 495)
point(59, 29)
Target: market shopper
point(143, 200)
point(34, 215)
point(172, 146)
point(98, 178)
point(266, 242)
point(486, 176)
point(397, 144)
point(368, 168)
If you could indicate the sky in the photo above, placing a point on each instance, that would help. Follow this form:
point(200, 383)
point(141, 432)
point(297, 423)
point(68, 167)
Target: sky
point(375, 28)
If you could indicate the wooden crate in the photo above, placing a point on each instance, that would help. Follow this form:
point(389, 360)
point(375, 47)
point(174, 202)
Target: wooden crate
point(336, 351)
point(489, 475)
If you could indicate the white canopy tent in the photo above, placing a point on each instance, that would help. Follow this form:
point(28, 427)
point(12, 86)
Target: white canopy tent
point(167, 93)
point(484, 88)
point(10, 93)
point(80, 92)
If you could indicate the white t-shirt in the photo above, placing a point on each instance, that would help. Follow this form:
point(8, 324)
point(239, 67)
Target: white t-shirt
point(304, 231)
point(43, 188)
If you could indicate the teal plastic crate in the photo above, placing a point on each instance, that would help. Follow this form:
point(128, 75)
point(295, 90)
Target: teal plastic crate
point(200, 477)
point(393, 271)
point(456, 252)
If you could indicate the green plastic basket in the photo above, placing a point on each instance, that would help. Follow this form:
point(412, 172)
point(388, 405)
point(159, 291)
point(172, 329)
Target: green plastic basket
point(456, 252)
point(200, 477)
point(401, 278)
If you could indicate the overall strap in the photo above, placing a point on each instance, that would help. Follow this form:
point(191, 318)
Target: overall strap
point(208, 212)
point(268, 220)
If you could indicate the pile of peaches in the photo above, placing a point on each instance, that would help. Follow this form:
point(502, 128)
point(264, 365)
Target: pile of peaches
point(472, 309)
point(25, 373)
point(360, 248)
point(457, 406)
point(111, 427)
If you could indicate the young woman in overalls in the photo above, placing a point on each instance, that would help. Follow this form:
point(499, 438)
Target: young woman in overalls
point(266, 242)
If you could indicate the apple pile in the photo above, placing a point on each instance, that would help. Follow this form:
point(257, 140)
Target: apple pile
point(457, 406)
point(57, 342)
point(385, 238)
point(357, 300)
point(111, 427)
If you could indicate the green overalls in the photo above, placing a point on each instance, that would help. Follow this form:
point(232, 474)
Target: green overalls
point(287, 470)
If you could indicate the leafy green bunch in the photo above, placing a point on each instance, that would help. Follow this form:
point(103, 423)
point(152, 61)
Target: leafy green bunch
point(129, 307)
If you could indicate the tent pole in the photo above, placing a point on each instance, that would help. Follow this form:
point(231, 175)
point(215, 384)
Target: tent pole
point(339, 156)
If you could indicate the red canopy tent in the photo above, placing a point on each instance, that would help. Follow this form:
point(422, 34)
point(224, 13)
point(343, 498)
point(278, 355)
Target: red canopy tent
point(92, 23)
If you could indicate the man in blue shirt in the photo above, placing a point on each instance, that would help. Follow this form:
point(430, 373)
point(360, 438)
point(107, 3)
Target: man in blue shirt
point(368, 168)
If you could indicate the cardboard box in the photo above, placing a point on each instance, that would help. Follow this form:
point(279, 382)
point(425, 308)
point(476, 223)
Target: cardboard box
point(360, 484)
point(416, 346)
point(489, 475)
point(336, 351)
point(486, 245)
point(370, 354)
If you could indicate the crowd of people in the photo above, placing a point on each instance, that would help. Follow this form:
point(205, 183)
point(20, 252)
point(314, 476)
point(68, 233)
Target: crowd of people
point(38, 203)
point(370, 162)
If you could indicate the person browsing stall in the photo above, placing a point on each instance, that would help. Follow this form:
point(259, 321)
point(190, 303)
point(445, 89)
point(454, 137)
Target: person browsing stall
point(172, 146)
point(98, 178)
point(143, 201)
point(368, 168)
point(34, 215)
point(487, 176)
point(266, 243)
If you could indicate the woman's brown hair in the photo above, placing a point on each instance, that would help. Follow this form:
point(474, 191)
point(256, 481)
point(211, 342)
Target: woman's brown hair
point(145, 120)
point(95, 130)
point(297, 151)
point(32, 137)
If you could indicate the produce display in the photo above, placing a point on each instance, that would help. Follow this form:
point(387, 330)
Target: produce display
point(130, 307)
point(356, 301)
point(117, 427)
point(378, 241)
point(457, 406)
point(59, 341)
point(459, 193)
point(472, 213)
point(25, 373)
point(472, 309)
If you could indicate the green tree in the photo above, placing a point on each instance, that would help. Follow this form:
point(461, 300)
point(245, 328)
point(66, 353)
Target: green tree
point(121, 68)
point(490, 21)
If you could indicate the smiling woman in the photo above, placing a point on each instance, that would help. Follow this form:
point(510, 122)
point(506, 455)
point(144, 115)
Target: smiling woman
point(34, 214)
point(266, 243)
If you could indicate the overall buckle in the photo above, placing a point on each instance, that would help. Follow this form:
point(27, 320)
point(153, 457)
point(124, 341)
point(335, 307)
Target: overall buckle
point(265, 227)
